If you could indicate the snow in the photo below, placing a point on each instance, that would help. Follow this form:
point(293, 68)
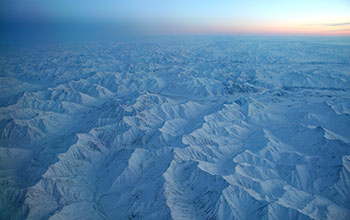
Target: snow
point(176, 128)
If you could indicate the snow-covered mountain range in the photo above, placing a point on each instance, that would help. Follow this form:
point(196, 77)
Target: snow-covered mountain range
point(176, 128)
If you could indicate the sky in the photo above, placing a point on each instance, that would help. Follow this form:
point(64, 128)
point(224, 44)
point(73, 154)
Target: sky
point(297, 17)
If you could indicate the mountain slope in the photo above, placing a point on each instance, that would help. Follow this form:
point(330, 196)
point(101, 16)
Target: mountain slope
point(185, 128)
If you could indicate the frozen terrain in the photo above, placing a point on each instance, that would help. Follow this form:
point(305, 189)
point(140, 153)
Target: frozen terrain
point(177, 128)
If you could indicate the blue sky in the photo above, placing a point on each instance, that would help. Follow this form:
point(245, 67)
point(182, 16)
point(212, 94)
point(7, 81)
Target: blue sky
point(205, 15)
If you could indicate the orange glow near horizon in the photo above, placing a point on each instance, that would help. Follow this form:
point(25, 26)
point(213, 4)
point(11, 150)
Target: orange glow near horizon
point(330, 29)
point(287, 29)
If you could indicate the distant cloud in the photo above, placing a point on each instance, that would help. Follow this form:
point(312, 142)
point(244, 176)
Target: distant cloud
point(348, 30)
point(331, 24)
point(338, 24)
point(339, 30)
